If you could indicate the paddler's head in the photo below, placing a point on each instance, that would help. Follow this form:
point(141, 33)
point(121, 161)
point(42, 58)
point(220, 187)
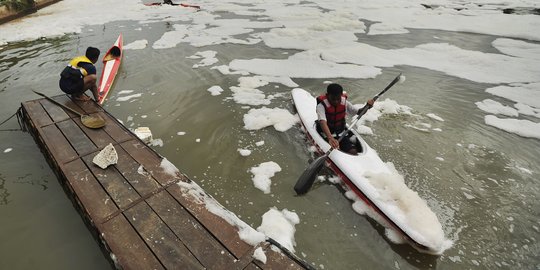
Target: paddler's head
point(92, 54)
point(333, 93)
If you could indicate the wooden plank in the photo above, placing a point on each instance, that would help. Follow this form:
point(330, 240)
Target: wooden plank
point(129, 250)
point(143, 182)
point(276, 260)
point(55, 112)
point(195, 237)
point(98, 136)
point(82, 144)
point(36, 113)
point(145, 156)
point(247, 259)
point(88, 191)
point(170, 251)
point(112, 127)
point(85, 107)
point(113, 182)
point(252, 266)
point(57, 144)
point(221, 229)
point(66, 101)
point(115, 129)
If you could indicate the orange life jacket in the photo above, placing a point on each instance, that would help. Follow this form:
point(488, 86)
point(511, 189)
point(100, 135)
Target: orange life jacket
point(335, 115)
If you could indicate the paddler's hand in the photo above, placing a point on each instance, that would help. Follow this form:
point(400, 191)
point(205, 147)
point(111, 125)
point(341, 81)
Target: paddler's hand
point(370, 103)
point(334, 143)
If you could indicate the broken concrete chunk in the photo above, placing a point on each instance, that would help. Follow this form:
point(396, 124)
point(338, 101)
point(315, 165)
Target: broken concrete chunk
point(106, 157)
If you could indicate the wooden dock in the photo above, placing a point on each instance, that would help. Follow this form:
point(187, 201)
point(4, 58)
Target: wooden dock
point(139, 214)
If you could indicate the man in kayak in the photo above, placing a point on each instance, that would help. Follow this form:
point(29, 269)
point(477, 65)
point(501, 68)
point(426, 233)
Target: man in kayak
point(331, 111)
point(80, 75)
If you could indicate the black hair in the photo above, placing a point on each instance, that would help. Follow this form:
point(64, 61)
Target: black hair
point(334, 89)
point(92, 53)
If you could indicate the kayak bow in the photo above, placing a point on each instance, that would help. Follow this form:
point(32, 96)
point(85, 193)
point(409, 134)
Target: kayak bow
point(111, 64)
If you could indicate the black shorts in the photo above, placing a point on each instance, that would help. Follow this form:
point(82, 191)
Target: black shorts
point(344, 145)
point(71, 81)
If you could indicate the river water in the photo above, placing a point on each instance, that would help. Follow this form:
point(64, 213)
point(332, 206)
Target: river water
point(481, 182)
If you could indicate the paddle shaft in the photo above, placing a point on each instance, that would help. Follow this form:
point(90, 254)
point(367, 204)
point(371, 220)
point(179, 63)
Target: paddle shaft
point(59, 104)
point(367, 107)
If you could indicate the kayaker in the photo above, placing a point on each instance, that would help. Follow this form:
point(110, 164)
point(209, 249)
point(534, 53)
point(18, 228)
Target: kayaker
point(332, 109)
point(80, 75)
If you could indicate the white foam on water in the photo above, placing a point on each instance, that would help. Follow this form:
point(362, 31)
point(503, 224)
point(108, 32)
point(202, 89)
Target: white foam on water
point(215, 90)
point(525, 93)
point(450, 59)
point(156, 142)
point(263, 173)
point(518, 48)
point(494, 107)
point(259, 255)
point(244, 152)
point(125, 92)
point(208, 58)
point(168, 167)
point(126, 98)
point(434, 116)
point(280, 226)
point(136, 45)
point(296, 67)
point(280, 119)
point(524, 128)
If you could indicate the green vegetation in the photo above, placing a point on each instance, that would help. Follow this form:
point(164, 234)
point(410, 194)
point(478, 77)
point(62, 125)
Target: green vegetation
point(18, 5)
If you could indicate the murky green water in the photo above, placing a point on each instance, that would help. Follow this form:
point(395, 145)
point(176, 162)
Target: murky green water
point(484, 201)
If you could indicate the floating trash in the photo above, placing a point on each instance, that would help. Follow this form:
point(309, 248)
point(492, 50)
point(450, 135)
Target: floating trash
point(144, 134)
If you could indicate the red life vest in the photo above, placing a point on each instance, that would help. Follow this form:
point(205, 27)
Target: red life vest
point(335, 116)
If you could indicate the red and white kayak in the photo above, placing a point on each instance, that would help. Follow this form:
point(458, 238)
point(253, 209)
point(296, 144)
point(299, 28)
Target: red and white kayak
point(111, 64)
point(369, 178)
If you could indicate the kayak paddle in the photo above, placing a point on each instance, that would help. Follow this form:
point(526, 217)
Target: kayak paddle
point(88, 121)
point(307, 178)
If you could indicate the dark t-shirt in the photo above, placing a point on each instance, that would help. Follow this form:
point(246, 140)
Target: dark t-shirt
point(91, 69)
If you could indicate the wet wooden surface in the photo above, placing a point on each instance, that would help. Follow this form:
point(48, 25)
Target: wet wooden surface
point(140, 215)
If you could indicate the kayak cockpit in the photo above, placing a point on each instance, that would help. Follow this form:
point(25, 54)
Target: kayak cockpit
point(112, 54)
point(352, 135)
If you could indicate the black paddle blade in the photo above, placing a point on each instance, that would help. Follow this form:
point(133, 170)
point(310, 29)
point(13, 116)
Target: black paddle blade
point(307, 178)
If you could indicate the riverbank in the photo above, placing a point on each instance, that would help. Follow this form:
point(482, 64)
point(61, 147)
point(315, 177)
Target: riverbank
point(7, 14)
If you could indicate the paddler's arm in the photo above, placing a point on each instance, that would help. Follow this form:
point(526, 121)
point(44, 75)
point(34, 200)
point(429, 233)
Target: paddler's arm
point(95, 92)
point(321, 114)
point(91, 79)
point(333, 142)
